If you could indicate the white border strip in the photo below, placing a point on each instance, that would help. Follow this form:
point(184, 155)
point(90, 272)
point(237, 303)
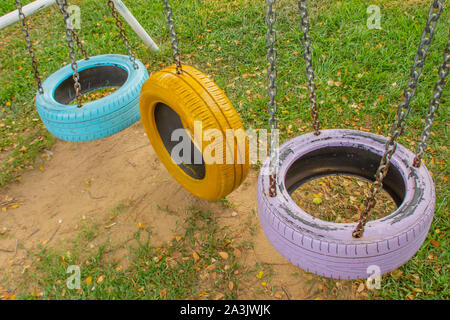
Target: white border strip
point(28, 10)
point(135, 25)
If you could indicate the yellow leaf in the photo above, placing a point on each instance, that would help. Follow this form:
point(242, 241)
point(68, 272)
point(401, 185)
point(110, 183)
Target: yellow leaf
point(15, 206)
point(142, 226)
point(88, 280)
point(318, 298)
point(195, 256)
point(260, 274)
point(317, 200)
point(264, 284)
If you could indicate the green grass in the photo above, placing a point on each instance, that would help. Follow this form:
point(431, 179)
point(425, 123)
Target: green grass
point(226, 39)
point(166, 272)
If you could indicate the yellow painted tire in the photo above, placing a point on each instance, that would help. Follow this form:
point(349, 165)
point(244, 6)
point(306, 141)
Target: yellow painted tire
point(192, 96)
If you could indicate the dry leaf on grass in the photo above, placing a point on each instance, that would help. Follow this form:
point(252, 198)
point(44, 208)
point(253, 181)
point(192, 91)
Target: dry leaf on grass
point(223, 255)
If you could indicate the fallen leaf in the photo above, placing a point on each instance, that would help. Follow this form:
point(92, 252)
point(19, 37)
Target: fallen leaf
point(230, 285)
point(396, 273)
point(435, 243)
point(317, 201)
point(278, 295)
point(100, 279)
point(88, 280)
point(219, 296)
point(361, 288)
point(195, 256)
point(223, 255)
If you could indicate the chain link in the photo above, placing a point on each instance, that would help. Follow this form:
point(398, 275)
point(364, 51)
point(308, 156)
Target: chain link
point(271, 37)
point(29, 46)
point(80, 45)
point(402, 113)
point(173, 36)
point(123, 34)
point(69, 34)
point(306, 40)
point(434, 106)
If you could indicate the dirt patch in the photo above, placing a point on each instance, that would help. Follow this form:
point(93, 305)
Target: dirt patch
point(118, 184)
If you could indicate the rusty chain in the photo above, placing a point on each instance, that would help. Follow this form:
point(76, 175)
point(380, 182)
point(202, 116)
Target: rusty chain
point(306, 40)
point(69, 34)
point(173, 36)
point(433, 106)
point(271, 37)
point(29, 46)
point(123, 34)
point(402, 113)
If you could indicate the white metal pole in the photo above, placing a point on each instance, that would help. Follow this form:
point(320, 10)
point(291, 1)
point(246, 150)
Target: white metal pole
point(28, 10)
point(135, 25)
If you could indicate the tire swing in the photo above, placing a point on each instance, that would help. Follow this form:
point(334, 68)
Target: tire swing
point(349, 250)
point(96, 119)
point(173, 102)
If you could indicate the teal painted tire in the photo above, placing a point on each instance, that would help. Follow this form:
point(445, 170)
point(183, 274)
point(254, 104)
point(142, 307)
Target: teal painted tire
point(96, 119)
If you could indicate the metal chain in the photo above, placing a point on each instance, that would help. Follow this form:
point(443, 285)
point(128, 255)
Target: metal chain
point(69, 34)
point(76, 38)
point(402, 113)
point(80, 45)
point(123, 34)
point(30, 46)
point(433, 107)
point(306, 40)
point(271, 37)
point(173, 36)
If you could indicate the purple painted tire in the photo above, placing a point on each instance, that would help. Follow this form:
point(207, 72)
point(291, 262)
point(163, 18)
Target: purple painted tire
point(328, 249)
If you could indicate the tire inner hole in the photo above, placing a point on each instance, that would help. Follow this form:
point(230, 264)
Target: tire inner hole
point(332, 183)
point(95, 82)
point(167, 121)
